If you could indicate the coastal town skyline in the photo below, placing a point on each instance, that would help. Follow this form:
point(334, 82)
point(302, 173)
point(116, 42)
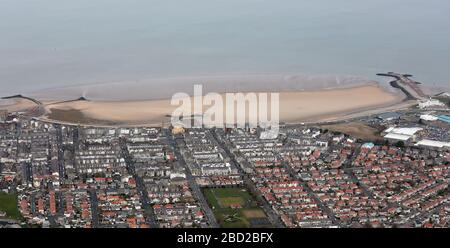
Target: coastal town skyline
point(63, 165)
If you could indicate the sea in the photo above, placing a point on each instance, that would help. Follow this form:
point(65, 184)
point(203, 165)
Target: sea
point(54, 44)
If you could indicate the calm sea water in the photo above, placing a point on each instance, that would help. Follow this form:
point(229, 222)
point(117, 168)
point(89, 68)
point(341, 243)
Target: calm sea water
point(55, 43)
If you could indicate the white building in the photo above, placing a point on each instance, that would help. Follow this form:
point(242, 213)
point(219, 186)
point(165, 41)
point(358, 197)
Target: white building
point(401, 133)
point(269, 134)
point(431, 103)
point(428, 118)
point(433, 144)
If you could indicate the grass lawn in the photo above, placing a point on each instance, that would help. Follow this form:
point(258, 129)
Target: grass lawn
point(230, 201)
point(8, 204)
point(222, 199)
point(211, 198)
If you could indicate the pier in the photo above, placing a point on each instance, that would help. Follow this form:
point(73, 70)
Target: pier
point(406, 84)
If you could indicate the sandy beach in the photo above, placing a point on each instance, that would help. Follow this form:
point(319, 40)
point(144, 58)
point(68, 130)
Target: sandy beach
point(295, 106)
point(16, 104)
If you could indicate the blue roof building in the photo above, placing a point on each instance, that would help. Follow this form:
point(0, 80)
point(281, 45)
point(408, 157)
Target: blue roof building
point(444, 118)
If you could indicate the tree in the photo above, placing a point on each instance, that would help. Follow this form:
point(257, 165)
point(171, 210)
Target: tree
point(400, 144)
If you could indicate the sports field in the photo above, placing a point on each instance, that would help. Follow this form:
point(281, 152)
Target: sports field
point(233, 207)
point(8, 204)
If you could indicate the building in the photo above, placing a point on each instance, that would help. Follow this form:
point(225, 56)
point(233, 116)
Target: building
point(404, 134)
point(178, 130)
point(431, 103)
point(3, 114)
point(389, 116)
point(368, 145)
point(434, 144)
point(428, 118)
point(444, 118)
point(269, 134)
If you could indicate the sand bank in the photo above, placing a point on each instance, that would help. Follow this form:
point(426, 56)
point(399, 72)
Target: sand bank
point(295, 106)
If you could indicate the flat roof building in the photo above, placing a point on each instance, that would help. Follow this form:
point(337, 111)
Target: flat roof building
point(434, 144)
point(428, 118)
point(401, 133)
point(444, 118)
point(397, 137)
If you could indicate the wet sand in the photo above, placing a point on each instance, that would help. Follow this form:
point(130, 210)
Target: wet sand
point(295, 106)
point(164, 88)
point(16, 104)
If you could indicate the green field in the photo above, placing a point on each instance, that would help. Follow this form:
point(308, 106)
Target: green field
point(233, 207)
point(8, 204)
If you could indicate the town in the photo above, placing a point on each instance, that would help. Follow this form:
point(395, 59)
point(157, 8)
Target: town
point(383, 170)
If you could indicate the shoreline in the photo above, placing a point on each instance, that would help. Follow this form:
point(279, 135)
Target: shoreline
point(143, 90)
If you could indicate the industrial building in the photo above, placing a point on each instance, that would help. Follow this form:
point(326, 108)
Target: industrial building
point(444, 118)
point(404, 134)
point(434, 144)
